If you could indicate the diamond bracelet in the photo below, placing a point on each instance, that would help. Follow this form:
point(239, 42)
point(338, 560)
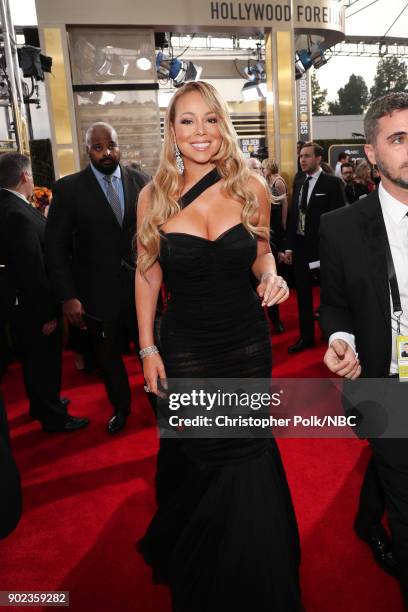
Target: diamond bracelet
point(149, 350)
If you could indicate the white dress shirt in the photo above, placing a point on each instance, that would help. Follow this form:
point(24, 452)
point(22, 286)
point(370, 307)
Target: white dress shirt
point(310, 185)
point(312, 182)
point(396, 225)
point(337, 171)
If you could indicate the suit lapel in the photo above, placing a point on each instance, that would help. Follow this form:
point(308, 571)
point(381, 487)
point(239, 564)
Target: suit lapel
point(375, 244)
point(129, 193)
point(317, 185)
point(97, 194)
point(31, 210)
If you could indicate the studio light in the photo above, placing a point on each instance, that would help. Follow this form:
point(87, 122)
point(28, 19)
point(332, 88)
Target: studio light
point(33, 63)
point(253, 90)
point(255, 87)
point(306, 58)
point(178, 71)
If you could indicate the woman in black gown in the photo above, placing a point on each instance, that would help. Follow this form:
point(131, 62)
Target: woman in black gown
point(224, 536)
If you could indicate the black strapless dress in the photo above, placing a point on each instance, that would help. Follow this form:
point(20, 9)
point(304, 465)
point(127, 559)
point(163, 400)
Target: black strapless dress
point(224, 536)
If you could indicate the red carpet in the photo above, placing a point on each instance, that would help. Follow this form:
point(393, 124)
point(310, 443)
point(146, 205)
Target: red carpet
point(89, 497)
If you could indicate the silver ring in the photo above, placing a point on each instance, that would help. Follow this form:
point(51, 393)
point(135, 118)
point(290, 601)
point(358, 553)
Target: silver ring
point(147, 389)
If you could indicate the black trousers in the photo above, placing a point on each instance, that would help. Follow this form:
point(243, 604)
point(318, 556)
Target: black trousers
point(108, 349)
point(390, 457)
point(304, 289)
point(40, 358)
point(10, 487)
point(371, 505)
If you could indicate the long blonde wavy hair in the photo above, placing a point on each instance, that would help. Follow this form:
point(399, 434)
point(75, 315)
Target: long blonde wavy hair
point(167, 183)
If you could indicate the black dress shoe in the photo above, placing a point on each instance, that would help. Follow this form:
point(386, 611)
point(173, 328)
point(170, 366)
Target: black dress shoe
point(34, 414)
point(71, 424)
point(381, 547)
point(117, 422)
point(300, 345)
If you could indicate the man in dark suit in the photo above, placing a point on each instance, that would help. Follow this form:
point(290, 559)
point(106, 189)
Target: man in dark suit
point(33, 312)
point(404, 352)
point(354, 191)
point(357, 314)
point(10, 487)
point(89, 238)
point(314, 193)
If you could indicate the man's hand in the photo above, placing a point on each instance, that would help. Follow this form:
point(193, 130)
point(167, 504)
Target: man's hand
point(49, 327)
point(287, 258)
point(341, 360)
point(74, 310)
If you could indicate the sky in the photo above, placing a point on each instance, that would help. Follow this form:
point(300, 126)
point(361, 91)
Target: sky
point(372, 21)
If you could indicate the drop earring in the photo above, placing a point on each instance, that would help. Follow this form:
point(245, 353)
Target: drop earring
point(179, 160)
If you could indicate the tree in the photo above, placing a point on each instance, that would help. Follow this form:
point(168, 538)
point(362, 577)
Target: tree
point(319, 105)
point(352, 98)
point(391, 76)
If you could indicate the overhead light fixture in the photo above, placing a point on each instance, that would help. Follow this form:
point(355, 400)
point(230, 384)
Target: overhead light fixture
point(306, 58)
point(255, 87)
point(177, 70)
point(253, 90)
point(143, 63)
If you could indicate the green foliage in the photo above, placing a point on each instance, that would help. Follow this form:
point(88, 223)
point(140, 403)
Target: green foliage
point(352, 99)
point(391, 75)
point(319, 104)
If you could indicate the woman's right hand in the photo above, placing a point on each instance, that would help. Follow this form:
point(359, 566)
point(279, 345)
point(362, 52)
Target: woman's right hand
point(153, 369)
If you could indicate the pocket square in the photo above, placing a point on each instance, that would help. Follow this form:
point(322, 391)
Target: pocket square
point(320, 194)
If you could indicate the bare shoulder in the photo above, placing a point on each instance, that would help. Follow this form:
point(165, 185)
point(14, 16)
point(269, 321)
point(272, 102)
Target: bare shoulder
point(258, 186)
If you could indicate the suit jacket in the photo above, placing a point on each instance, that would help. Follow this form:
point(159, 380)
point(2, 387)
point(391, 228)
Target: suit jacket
point(327, 195)
point(86, 246)
point(354, 281)
point(22, 233)
point(10, 488)
point(355, 191)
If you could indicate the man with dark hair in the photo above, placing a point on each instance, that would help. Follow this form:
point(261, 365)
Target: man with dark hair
point(90, 231)
point(363, 250)
point(33, 313)
point(299, 146)
point(343, 158)
point(314, 195)
point(354, 191)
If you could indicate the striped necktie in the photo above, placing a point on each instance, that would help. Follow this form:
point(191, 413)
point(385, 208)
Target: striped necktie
point(113, 198)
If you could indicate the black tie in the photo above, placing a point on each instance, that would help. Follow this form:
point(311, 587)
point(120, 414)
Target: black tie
point(305, 191)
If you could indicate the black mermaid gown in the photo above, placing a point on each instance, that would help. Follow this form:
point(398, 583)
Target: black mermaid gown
point(224, 536)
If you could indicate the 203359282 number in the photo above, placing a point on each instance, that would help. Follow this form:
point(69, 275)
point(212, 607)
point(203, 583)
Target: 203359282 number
point(34, 598)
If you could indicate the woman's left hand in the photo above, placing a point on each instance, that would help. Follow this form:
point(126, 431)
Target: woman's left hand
point(272, 289)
